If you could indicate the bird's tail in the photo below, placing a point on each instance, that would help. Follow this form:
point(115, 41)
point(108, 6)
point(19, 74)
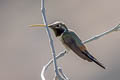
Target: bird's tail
point(98, 63)
point(95, 60)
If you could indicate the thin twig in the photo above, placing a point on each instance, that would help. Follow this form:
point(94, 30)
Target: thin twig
point(64, 76)
point(49, 63)
point(116, 28)
point(50, 39)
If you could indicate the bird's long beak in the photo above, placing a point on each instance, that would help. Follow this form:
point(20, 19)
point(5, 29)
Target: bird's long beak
point(38, 25)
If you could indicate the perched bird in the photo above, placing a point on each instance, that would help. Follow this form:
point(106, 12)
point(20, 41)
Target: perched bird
point(71, 41)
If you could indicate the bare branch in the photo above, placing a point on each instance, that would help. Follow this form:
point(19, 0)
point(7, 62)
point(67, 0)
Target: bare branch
point(51, 42)
point(64, 76)
point(49, 63)
point(117, 28)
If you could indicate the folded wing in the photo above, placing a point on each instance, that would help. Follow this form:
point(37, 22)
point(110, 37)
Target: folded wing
point(71, 40)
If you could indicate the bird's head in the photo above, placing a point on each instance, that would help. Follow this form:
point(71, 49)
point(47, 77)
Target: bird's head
point(58, 27)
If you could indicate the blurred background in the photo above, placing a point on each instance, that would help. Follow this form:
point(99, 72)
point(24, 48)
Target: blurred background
point(24, 50)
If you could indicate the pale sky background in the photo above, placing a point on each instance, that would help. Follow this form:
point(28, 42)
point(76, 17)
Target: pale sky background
point(24, 50)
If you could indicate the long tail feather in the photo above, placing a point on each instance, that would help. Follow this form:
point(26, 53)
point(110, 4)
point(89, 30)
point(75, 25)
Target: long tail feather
point(95, 60)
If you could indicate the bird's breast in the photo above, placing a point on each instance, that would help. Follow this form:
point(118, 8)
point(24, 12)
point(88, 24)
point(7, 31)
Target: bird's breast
point(62, 41)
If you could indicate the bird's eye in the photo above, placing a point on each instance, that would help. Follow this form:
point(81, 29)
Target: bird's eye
point(58, 25)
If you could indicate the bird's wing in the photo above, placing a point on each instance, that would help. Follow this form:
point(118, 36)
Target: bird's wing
point(71, 40)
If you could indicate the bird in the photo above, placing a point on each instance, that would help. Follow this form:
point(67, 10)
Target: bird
point(71, 41)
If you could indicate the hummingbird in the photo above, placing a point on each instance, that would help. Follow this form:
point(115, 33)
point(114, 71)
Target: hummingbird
point(71, 41)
